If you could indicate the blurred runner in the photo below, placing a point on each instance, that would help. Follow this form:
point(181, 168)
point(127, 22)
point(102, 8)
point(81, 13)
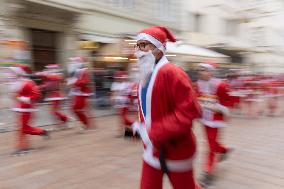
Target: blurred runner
point(215, 102)
point(80, 91)
point(119, 98)
point(52, 79)
point(25, 92)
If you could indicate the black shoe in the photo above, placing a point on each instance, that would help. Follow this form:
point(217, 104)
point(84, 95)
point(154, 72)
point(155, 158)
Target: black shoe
point(45, 134)
point(206, 180)
point(225, 156)
point(22, 152)
point(128, 133)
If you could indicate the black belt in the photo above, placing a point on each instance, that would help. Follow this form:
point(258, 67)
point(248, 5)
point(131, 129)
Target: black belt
point(162, 160)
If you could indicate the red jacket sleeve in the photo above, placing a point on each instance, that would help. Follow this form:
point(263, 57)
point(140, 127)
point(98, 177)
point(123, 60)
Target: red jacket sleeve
point(34, 91)
point(223, 94)
point(83, 79)
point(186, 108)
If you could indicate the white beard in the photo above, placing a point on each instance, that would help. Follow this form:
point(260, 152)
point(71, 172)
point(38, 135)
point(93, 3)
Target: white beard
point(146, 63)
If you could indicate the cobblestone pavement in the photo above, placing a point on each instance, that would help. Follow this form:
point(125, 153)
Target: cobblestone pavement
point(100, 160)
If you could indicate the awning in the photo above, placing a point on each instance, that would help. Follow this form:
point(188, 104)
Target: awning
point(192, 50)
point(99, 38)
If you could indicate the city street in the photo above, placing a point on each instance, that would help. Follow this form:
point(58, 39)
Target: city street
point(98, 159)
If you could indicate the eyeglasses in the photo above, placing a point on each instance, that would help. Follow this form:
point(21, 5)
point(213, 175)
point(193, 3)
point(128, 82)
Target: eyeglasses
point(141, 46)
point(201, 69)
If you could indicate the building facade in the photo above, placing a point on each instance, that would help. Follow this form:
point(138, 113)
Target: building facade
point(249, 31)
point(53, 28)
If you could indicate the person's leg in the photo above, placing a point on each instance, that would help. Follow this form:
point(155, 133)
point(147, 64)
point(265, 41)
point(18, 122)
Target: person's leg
point(27, 129)
point(207, 176)
point(151, 178)
point(211, 134)
point(55, 111)
point(79, 104)
point(183, 180)
point(219, 147)
point(22, 141)
point(125, 116)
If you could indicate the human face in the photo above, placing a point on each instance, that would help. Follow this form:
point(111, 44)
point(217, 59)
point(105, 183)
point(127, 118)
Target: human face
point(146, 46)
point(204, 74)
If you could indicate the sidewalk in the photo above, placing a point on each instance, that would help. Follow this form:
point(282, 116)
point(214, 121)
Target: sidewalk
point(99, 160)
point(43, 116)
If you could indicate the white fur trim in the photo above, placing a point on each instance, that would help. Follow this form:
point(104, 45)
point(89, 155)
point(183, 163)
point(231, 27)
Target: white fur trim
point(55, 98)
point(80, 94)
point(173, 165)
point(71, 81)
point(213, 124)
point(207, 66)
point(158, 66)
point(18, 70)
point(223, 109)
point(24, 99)
point(154, 41)
point(24, 109)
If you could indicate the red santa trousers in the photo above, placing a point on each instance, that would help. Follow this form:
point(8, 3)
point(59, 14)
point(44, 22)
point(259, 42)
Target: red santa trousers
point(124, 117)
point(214, 147)
point(55, 110)
point(26, 129)
point(153, 179)
point(79, 105)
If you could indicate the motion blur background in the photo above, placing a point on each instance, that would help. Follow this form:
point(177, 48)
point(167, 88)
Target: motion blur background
point(245, 38)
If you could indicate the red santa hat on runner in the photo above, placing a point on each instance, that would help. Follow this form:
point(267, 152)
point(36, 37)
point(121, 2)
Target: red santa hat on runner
point(53, 68)
point(157, 35)
point(78, 59)
point(120, 75)
point(21, 69)
point(209, 65)
point(77, 62)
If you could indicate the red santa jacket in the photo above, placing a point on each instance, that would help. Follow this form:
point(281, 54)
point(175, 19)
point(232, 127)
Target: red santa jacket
point(80, 83)
point(132, 96)
point(214, 94)
point(27, 92)
point(52, 86)
point(171, 106)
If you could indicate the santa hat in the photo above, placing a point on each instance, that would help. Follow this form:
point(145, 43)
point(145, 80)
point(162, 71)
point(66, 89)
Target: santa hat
point(120, 75)
point(52, 66)
point(157, 35)
point(77, 62)
point(21, 69)
point(209, 65)
point(78, 59)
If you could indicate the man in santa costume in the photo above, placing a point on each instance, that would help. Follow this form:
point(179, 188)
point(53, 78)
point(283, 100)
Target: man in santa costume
point(215, 102)
point(130, 110)
point(80, 91)
point(167, 107)
point(52, 79)
point(25, 92)
point(120, 96)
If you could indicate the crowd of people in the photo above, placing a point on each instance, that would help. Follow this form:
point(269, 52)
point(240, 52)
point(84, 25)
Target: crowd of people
point(159, 107)
point(25, 93)
point(257, 95)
